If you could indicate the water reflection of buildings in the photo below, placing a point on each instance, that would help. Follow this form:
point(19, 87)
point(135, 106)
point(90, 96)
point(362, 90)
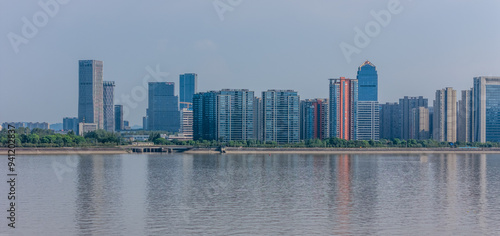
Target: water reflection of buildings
point(463, 180)
point(99, 195)
point(343, 193)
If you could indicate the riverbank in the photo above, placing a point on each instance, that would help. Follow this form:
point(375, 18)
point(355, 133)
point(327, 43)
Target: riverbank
point(66, 151)
point(234, 150)
point(247, 150)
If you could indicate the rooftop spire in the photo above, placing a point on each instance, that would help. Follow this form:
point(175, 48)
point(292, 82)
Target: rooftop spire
point(367, 63)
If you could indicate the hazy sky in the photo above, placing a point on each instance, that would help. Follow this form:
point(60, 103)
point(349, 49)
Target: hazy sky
point(253, 44)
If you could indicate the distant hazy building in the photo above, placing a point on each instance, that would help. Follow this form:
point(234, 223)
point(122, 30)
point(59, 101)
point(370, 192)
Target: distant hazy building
point(465, 127)
point(86, 127)
point(108, 107)
point(205, 116)
point(257, 119)
point(419, 123)
point(144, 122)
point(70, 123)
point(406, 105)
point(56, 126)
point(90, 92)
point(119, 118)
point(29, 125)
point(163, 107)
point(390, 126)
point(445, 115)
point(187, 123)
point(126, 125)
point(486, 93)
point(314, 122)
point(343, 108)
point(187, 88)
point(281, 116)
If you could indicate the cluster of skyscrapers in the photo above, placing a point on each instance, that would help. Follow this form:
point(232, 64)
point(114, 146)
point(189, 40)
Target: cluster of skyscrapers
point(280, 116)
point(473, 118)
point(351, 112)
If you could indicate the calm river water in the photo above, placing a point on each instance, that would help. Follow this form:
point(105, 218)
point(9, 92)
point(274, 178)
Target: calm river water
point(180, 194)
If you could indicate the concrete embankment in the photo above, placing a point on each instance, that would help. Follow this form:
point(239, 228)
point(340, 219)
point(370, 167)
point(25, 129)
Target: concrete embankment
point(235, 150)
point(64, 151)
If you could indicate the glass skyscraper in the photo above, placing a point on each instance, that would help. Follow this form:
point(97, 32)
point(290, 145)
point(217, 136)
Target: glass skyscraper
point(187, 88)
point(108, 105)
point(486, 106)
point(205, 116)
point(367, 82)
point(281, 111)
point(90, 92)
point(119, 118)
point(163, 107)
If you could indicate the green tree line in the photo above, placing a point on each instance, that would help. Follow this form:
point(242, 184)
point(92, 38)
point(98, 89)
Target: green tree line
point(47, 138)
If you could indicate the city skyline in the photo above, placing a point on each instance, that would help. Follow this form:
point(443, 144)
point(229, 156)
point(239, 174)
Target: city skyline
point(255, 47)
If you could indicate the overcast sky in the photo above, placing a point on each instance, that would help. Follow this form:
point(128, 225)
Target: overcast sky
point(251, 44)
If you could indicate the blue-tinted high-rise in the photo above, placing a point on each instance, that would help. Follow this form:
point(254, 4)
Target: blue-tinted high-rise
point(367, 120)
point(486, 108)
point(163, 107)
point(187, 88)
point(367, 82)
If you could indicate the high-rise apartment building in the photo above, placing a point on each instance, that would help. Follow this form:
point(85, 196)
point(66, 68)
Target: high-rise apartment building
point(90, 92)
point(257, 119)
point(419, 123)
point(314, 122)
point(187, 88)
point(406, 105)
point(390, 121)
point(235, 119)
point(108, 105)
point(187, 123)
point(486, 102)
point(119, 118)
point(281, 116)
point(163, 107)
point(465, 127)
point(226, 115)
point(367, 122)
point(343, 108)
point(445, 115)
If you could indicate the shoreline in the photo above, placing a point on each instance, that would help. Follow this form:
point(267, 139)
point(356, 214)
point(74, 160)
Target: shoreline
point(248, 150)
